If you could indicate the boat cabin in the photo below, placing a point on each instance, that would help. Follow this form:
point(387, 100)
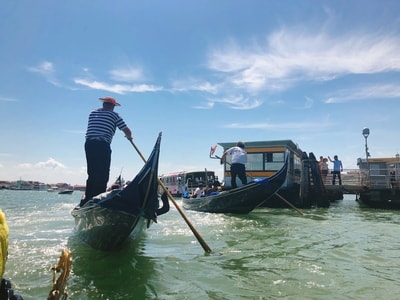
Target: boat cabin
point(265, 158)
point(178, 182)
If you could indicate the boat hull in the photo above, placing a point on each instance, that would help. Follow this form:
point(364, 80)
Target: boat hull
point(106, 229)
point(66, 192)
point(241, 200)
point(108, 220)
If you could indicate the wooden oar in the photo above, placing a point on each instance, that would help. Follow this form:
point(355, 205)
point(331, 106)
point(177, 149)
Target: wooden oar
point(279, 196)
point(290, 204)
point(195, 232)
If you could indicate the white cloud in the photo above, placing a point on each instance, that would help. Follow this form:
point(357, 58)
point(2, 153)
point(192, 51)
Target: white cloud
point(48, 171)
point(7, 99)
point(192, 84)
point(298, 126)
point(127, 75)
point(375, 92)
point(238, 102)
point(290, 56)
point(51, 163)
point(47, 70)
point(117, 88)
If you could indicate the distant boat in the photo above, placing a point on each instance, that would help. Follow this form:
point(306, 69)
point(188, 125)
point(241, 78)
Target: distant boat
point(107, 220)
point(65, 192)
point(21, 185)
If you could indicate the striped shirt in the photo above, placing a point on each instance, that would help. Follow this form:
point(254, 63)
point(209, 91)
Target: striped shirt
point(102, 125)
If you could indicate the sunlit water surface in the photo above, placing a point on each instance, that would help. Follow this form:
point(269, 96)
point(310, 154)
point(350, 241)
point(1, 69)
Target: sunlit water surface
point(343, 252)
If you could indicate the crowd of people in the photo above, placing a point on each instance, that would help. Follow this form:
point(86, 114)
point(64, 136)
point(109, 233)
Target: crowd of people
point(336, 171)
point(202, 190)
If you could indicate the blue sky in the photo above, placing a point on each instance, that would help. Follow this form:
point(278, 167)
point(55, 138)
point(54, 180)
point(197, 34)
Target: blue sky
point(202, 72)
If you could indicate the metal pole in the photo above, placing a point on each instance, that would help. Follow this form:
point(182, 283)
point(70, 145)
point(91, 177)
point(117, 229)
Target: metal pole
point(366, 155)
point(365, 133)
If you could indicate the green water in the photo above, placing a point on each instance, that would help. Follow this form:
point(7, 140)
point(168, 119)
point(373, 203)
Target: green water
point(343, 252)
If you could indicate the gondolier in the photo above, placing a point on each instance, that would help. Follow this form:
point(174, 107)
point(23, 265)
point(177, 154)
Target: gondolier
point(239, 159)
point(101, 128)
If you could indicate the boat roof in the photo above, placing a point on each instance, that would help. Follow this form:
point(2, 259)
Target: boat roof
point(289, 144)
point(187, 172)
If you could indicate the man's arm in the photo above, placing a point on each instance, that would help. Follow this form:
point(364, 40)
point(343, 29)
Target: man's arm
point(222, 160)
point(128, 133)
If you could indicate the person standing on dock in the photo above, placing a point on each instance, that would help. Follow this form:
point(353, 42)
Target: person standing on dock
point(100, 131)
point(337, 168)
point(238, 166)
point(323, 167)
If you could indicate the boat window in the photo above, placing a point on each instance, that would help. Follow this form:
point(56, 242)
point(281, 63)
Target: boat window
point(255, 162)
point(270, 161)
point(273, 161)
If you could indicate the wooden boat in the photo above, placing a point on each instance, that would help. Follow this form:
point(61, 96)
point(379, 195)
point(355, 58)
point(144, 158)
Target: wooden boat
point(67, 192)
point(241, 200)
point(109, 219)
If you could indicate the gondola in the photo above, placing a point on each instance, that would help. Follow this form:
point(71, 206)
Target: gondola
point(241, 200)
point(108, 220)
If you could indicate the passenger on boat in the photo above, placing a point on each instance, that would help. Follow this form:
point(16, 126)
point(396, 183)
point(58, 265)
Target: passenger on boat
point(210, 190)
point(238, 165)
point(101, 128)
point(198, 192)
point(185, 193)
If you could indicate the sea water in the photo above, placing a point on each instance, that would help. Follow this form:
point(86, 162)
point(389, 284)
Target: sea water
point(343, 252)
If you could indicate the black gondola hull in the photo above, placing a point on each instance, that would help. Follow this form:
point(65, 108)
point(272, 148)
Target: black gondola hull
point(108, 220)
point(241, 200)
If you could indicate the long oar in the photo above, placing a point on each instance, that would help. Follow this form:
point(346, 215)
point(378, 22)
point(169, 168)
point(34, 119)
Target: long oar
point(195, 232)
point(279, 196)
point(290, 204)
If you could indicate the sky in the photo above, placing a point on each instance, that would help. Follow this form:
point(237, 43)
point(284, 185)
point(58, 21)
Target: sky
point(200, 72)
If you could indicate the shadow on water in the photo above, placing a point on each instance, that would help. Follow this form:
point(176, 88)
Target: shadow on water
point(111, 275)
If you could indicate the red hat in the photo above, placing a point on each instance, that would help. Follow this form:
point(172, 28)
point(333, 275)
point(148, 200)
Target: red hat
point(110, 100)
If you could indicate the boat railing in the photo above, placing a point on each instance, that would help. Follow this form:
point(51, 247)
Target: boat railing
point(373, 178)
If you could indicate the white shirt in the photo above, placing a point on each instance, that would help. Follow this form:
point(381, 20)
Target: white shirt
point(198, 191)
point(238, 155)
